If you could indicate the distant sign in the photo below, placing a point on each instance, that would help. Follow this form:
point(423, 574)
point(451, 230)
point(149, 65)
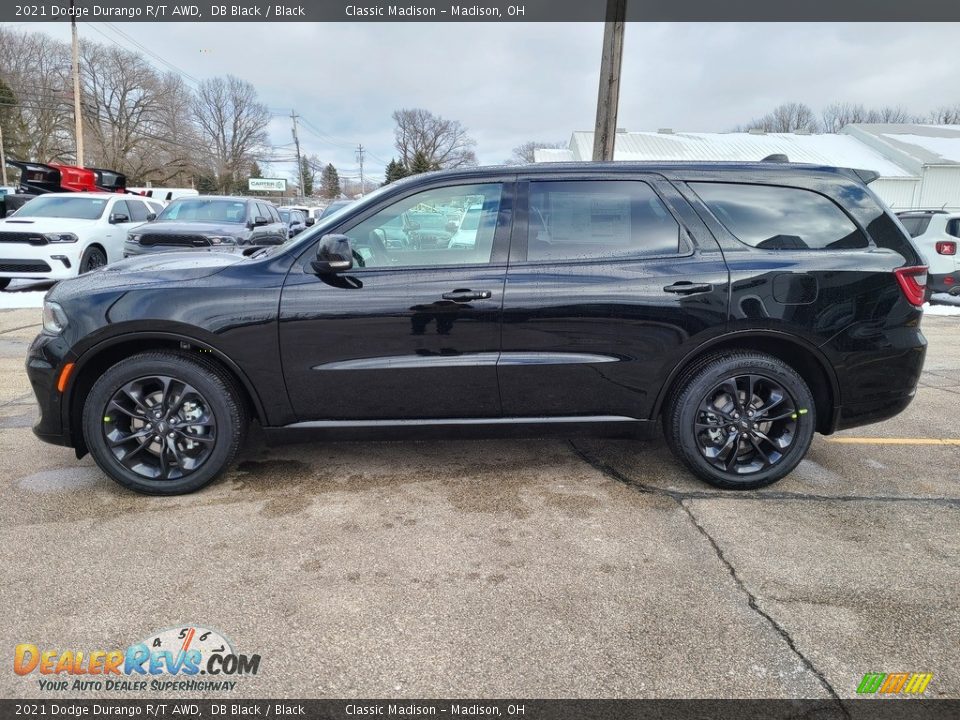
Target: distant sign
point(274, 184)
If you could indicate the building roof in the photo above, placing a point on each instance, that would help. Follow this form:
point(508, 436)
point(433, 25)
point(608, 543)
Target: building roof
point(911, 145)
point(826, 149)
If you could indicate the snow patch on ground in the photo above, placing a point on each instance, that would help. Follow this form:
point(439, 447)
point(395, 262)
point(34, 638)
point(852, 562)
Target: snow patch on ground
point(942, 304)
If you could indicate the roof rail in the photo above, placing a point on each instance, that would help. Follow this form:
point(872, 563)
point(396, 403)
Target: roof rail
point(777, 158)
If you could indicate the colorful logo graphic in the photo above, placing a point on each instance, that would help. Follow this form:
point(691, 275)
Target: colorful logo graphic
point(187, 652)
point(894, 683)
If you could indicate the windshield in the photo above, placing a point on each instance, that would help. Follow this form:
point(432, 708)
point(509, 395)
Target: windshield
point(205, 210)
point(78, 208)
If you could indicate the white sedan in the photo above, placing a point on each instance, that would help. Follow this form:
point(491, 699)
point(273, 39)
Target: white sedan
point(62, 235)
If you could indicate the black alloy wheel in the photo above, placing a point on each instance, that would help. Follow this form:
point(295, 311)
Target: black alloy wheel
point(164, 423)
point(740, 420)
point(92, 259)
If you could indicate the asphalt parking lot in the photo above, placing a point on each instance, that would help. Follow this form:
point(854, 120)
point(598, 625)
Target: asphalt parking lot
point(504, 568)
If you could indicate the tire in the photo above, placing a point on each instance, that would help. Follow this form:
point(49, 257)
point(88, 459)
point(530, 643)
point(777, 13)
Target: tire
point(92, 258)
point(208, 419)
point(717, 439)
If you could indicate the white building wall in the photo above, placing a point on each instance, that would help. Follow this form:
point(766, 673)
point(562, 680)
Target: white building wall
point(897, 193)
point(940, 187)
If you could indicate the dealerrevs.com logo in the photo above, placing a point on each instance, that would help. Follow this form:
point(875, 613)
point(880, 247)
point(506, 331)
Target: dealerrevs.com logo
point(189, 658)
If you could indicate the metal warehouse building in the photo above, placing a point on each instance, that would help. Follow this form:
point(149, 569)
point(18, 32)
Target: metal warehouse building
point(919, 165)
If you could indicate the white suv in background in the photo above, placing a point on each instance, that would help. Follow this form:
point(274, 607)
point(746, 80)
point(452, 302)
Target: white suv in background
point(936, 234)
point(61, 235)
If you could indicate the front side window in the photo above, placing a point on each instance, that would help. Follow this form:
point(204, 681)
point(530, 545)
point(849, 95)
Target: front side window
point(584, 220)
point(443, 226)
point(779, 218)
point(120, 208)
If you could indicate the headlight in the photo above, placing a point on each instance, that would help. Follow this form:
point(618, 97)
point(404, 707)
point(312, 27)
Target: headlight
point(60, 237)
point(221, 240)
point(54, 318)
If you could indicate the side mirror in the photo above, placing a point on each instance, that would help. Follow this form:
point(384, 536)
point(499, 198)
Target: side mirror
point(151, 217)
point(118, 218)
point(334, 255)
point(310, 222)
point(260, 221)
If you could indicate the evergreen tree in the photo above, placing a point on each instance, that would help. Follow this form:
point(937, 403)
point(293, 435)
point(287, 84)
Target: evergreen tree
point(206, 184)
point(396, 170)
point(421, 164)
point(330, 182)
point(306, 171)
point(255, 171)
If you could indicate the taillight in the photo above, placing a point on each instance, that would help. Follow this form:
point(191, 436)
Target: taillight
point(946, 247)
point(913, 282)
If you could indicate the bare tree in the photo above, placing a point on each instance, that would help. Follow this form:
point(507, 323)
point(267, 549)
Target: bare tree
point(232, 124)
point(890, 114)
point(946, 115)
point(524, 154)
point(444, 143)
point(788, 117)
point(838, 115)
point(37, 70)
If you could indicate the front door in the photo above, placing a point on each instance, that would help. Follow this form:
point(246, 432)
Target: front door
point(412, 332)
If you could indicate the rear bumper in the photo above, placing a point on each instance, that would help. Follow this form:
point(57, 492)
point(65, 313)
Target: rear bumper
point(944, 283)
point(874, 411)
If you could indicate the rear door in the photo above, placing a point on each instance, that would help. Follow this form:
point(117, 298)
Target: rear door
point(606, 290)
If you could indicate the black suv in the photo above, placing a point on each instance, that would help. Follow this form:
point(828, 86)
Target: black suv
point(743, 306)
point(209, 223)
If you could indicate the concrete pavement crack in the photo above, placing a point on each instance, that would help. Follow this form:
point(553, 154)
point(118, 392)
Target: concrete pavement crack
point(680, 495)
point(754, 605)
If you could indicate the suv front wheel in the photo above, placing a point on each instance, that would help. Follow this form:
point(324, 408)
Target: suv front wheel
point(741, 420)
point(163, 423)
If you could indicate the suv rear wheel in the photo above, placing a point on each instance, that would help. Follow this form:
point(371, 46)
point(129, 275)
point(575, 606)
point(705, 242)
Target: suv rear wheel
point(741, 420)
point(163, 423)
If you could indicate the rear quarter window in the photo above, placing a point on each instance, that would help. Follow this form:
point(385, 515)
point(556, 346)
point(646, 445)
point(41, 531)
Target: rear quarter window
point(780, 218)
point(953, 227)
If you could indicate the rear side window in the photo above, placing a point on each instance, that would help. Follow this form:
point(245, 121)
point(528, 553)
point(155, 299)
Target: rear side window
point(584, 220)
point(916, 225)
point(778, 218)
point(953, 227)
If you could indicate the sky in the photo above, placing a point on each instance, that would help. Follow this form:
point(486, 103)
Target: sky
point(512, 82)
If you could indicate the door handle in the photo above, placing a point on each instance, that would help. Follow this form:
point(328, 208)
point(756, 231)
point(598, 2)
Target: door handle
point(463, 295)
point(685, 287)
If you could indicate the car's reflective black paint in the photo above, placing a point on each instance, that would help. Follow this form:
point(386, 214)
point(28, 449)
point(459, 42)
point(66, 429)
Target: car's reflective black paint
point(595, 340)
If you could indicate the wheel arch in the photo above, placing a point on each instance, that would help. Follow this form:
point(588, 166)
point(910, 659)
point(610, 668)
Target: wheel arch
point(803, 357)
point(94, 361)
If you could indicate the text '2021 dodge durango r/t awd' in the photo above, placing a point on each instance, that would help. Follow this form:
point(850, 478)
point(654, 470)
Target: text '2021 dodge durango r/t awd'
point(744, 306)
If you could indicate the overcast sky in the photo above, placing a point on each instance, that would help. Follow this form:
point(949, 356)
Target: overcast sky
point(512, 82)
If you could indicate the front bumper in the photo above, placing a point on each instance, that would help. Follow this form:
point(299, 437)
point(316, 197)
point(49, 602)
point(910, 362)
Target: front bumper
point(57, 261)
point(46, 359)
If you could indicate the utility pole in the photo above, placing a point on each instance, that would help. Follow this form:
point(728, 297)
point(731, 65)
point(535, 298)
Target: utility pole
point(76, 85)
point(3, 157)
point(608, 98)
point(296, 140)
point(360, 152)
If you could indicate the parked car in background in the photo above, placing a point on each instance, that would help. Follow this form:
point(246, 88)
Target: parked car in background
point(295, 220)
point(234, 224)
point(936, 234)
point(333, 207)
point(742, 307)
point(61, 235)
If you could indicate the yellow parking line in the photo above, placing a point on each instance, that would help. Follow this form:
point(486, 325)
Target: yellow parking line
point(894, 441)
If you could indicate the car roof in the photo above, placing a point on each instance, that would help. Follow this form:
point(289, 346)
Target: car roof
point(669, 169)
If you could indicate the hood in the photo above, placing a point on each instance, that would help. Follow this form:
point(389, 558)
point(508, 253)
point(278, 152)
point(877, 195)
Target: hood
point(174, 267)
point(191, 228)
point(43, 224)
